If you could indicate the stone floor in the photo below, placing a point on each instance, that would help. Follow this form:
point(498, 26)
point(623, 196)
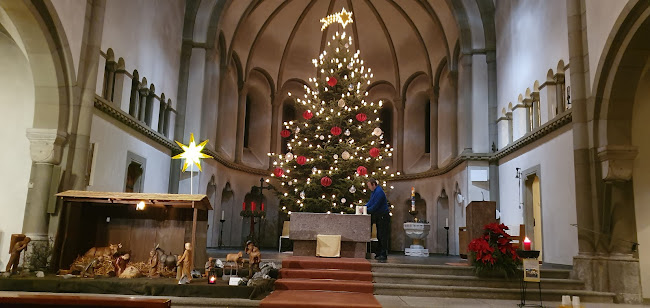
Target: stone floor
point(385, 300)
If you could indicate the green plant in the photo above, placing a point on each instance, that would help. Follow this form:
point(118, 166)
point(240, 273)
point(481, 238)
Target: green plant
point(39, 255)
point(493, 253)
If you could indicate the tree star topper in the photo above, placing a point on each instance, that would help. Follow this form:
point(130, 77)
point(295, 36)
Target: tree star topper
point(192, 153)
point(343, 17)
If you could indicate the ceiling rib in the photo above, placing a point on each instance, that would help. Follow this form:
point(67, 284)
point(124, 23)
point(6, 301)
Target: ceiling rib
point(390, 43)
point(305, 11)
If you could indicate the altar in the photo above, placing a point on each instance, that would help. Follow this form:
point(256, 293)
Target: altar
point(353, 229)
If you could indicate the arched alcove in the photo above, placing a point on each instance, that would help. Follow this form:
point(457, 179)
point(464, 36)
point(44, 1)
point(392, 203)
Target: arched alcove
point(447, 119)
point(442, 218)
point(232, 226)
point(417, 124)
point(227, 112)
point(257, 121)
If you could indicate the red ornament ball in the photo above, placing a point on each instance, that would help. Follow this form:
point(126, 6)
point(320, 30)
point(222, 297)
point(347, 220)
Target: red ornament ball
point(301, 160)
point(361, 117)
point(307, 115)
point(374, 152)
point(325, 181)
point(335, 130)
point(278, 172)
point(332, 81)
point(285, 133)
point(362, 170)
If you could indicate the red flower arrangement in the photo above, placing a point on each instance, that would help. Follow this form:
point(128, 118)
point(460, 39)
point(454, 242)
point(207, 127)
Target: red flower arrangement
point(493, 252)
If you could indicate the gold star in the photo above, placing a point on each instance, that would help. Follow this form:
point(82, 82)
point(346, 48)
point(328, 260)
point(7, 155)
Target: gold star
point(192, 153)
point(344, 18)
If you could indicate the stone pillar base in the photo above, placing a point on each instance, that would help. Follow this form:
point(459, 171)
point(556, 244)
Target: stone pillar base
point(616, 273)
point(416, 251)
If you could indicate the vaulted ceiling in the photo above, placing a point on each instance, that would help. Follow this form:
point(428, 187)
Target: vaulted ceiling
point(397, 38)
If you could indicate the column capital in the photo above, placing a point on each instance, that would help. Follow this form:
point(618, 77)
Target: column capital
point(617, 162)
point(46, 145)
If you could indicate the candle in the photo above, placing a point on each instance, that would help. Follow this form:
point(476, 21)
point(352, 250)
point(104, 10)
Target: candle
point(262, 206)
point(223, 215)
point(243, 206)
point(447, 222)
point(253, 206)
point(527, 244)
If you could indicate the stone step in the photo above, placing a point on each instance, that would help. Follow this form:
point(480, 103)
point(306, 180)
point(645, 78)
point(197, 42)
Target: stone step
point(450, 270)
point(324, 285)
point(489, 293)
point(470, 281)
point(326, 274)
point(351, 264)
point(318, 299)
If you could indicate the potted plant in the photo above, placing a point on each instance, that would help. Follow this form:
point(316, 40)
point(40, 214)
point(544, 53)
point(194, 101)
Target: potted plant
point(493, 254)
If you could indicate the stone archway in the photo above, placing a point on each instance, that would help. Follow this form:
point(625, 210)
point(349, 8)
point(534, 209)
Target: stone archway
point(37, 73)
point(609, 197)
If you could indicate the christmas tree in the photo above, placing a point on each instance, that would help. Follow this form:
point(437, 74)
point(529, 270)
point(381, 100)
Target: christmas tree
point(337, 144)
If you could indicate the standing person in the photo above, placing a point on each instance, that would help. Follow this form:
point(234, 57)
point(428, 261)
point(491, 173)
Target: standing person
point(378, 208)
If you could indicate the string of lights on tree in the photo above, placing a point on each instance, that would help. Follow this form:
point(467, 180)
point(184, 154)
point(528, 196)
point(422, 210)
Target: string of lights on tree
point(338, 143)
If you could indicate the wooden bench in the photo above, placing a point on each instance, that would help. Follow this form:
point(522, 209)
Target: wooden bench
point(41, 300)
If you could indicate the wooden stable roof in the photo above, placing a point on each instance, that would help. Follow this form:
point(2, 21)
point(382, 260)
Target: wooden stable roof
point(201, 202)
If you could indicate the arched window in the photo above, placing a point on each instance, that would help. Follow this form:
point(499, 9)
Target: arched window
point(247, 122)
point(288, 114)
point(386, 126)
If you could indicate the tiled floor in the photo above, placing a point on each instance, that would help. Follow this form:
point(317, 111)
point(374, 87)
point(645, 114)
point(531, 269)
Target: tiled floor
point(435, 302)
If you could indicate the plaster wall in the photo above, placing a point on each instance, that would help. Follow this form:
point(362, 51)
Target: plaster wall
point(240, 184)
point(601, 17)
point(429, 189)
point(553, 155)
point(641, 176)
point(113, 140)
point(148, 35)
point(531, 39)
point(72, 15)
point(17, 100)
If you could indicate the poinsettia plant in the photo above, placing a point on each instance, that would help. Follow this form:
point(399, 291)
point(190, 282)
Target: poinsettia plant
point(493, 252)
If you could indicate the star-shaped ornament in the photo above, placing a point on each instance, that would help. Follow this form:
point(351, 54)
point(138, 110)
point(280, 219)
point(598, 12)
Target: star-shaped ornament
point(192, 153)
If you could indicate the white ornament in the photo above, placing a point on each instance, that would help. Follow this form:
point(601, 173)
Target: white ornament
point(347, 132)
point(297, 130)
point(322, 137)
point(377, 131)
point(345, 155)
point(302, 194)
point(353, 190)
point(289, 183)
point(341, 103)
point(343, 200)
point(336, 156)
point(314, 170)
point(289, 156)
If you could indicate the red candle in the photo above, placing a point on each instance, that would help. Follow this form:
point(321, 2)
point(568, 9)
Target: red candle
point(527, 244)
point(243, 206)
point(262, 206)
point(253, 206)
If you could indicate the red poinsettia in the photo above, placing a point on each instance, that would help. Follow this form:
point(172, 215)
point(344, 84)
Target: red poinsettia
point(493, 251)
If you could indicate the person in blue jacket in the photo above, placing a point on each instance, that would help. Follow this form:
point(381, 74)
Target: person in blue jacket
point(378, 209)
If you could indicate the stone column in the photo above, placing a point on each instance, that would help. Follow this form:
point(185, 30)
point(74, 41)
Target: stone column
point(433, 120)
point(399, 143)
point(241, 119)
point(453, 81)
point(465, 103)
point(46, 151)
point(276, 125)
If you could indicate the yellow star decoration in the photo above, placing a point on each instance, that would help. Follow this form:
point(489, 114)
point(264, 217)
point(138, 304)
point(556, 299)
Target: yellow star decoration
point(344, 18)
point(192, 153)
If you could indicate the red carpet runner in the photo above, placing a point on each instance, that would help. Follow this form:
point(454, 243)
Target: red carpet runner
point(323, 282)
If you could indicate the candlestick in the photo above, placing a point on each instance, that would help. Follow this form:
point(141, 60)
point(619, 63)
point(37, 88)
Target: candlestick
point(527, 244)
point(223, 215)
point(446, 222)
point(253, 206)
point(243, 206)
point(262, 206)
